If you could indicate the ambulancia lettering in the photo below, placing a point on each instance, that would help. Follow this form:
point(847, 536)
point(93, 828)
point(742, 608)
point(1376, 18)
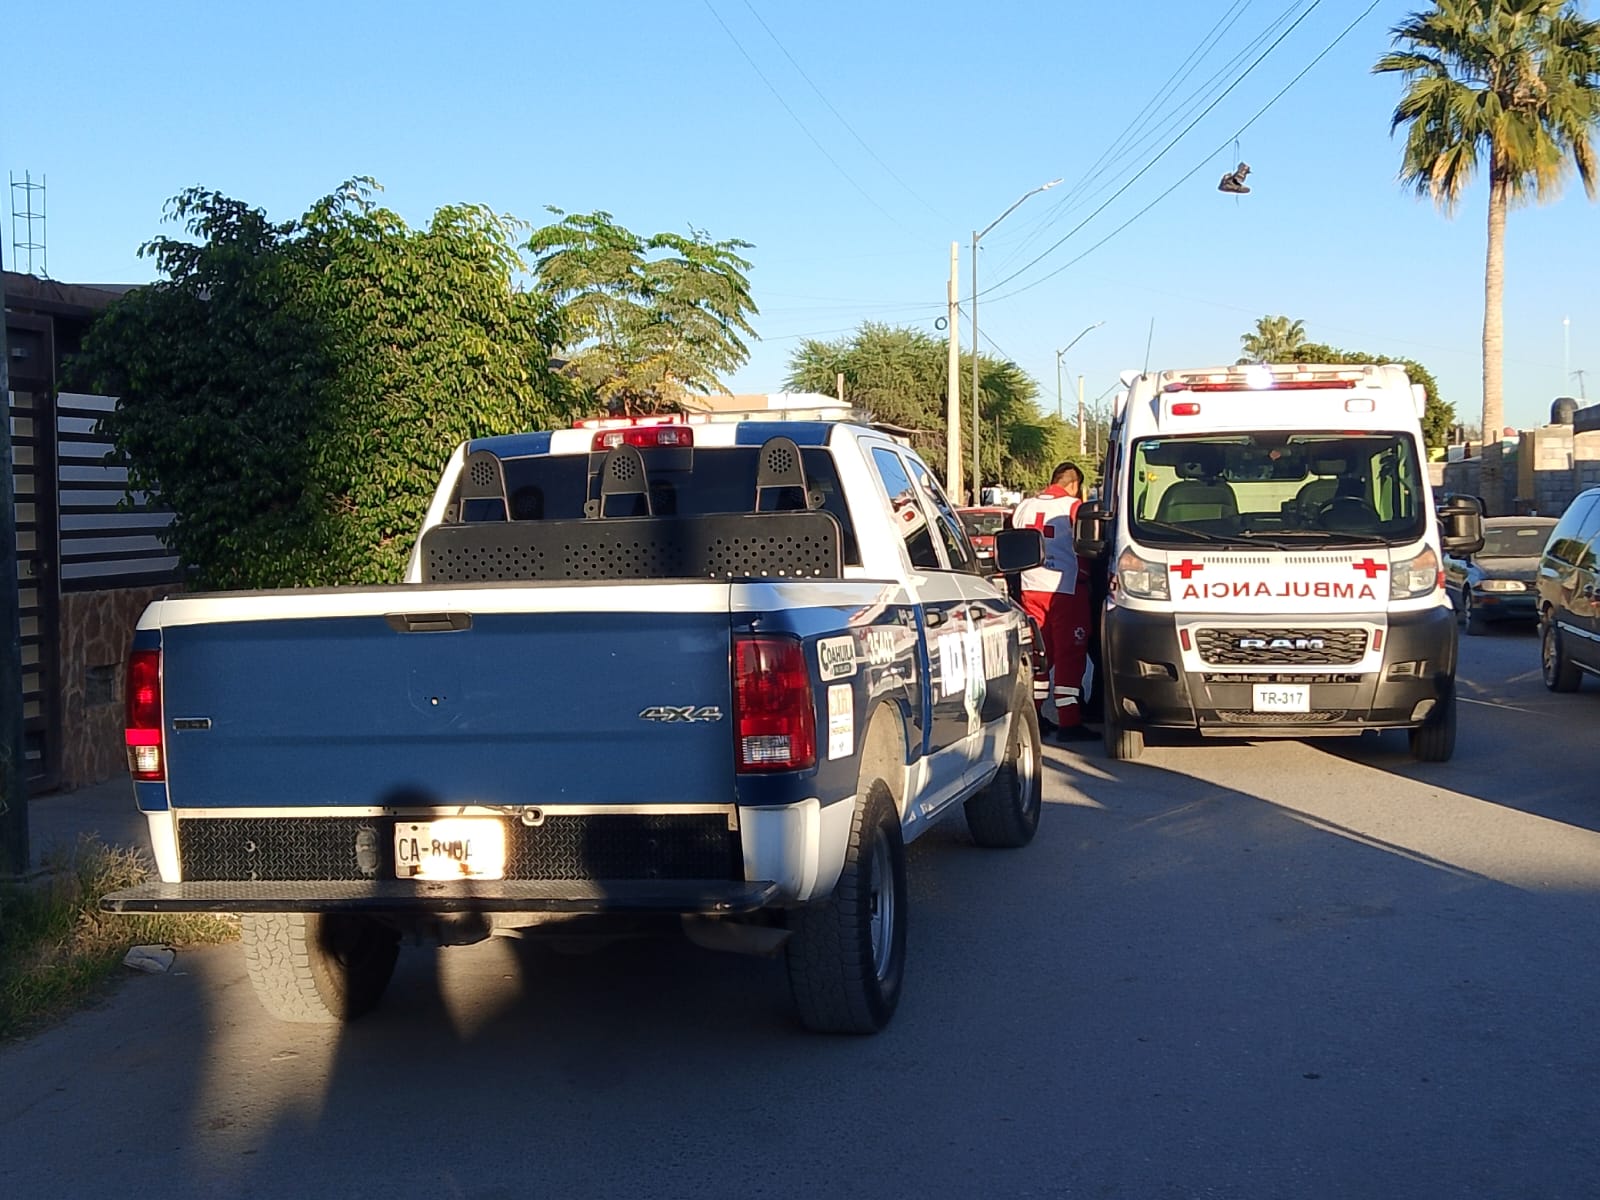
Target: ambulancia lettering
point(1245, 589)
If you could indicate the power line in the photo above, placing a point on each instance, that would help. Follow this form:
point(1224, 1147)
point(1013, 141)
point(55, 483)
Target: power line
point(859, 139)
point(1118, 146)
point(1199, 166)
point(1183, 134)
point(821, 149)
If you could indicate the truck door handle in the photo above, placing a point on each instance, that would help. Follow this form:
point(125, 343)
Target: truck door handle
point(936, 616)
point(977, 613)
point(434, 622)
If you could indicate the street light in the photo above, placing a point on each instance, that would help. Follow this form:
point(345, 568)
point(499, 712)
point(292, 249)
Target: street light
point(1059, 353)
point(977, 482)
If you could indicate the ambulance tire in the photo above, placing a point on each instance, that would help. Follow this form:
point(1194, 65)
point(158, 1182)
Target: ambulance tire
point(1005, 815)
point(318, 968)
point(1435, 742)
point(1122, 744)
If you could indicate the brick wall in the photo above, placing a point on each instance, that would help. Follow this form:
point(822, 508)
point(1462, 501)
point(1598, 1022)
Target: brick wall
point(96, 633)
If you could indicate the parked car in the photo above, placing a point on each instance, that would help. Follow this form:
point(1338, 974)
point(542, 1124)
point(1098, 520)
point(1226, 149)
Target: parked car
point(1498, 582)
point(981, 525)
point(1569, 596)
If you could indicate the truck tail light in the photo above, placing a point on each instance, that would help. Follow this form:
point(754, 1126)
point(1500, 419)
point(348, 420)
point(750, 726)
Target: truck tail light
point(652, 435)
point(773, 710)
point(145, 758)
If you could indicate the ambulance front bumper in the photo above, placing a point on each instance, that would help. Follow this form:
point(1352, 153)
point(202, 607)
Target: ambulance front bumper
point(1151, 682)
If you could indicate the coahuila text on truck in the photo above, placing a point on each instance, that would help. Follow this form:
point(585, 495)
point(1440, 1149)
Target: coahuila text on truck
point(641, 672)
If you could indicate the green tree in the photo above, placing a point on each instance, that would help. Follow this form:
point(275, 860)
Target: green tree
point(647, 320)
point(900, 376)
point(1437, 416)
point(292, 390)
point(1513, 85)
point(1275, 340)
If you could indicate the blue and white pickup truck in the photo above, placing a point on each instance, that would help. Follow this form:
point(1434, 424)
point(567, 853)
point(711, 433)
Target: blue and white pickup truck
point(718, 673)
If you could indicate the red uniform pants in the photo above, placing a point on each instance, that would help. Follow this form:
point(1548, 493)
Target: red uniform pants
point(1064, 620)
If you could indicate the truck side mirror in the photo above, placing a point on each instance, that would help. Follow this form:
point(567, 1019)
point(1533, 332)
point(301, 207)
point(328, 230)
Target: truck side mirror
point(1017, 550)
point(1460, 527)
point(1091, 531)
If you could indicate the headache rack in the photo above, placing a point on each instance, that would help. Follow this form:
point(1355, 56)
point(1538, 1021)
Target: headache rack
point(621, 538)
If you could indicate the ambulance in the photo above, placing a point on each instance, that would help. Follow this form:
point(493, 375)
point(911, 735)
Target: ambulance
point(1273, 559)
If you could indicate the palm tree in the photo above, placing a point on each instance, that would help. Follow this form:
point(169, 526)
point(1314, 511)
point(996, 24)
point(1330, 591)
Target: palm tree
point(1276, 339)
point(1515, 85)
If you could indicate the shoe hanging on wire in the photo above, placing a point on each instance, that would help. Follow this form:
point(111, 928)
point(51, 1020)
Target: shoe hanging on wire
point(1233, 182)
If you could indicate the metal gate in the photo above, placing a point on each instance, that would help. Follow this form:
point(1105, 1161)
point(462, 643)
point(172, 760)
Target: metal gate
point(30, 342)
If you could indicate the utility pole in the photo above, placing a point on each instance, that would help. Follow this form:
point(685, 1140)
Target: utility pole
point(1081, 446)
point(952, 404)
point(13, 763)
point(1578, 375)
point(838, 385)
point(977, 485)
point(1059, 353)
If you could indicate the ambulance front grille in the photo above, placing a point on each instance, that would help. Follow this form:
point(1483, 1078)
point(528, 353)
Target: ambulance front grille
point(600, 846)
point(1248, 647)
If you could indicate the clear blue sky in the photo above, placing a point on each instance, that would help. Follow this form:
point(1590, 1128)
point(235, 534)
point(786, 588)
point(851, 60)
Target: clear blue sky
point(649, 109)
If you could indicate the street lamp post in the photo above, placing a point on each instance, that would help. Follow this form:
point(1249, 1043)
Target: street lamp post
point(1059, 353)
point(977, 236)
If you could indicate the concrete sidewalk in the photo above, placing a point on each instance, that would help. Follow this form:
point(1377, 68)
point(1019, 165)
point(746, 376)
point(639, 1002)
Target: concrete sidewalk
point(57, 820)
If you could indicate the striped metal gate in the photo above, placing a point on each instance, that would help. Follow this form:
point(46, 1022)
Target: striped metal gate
point(32, 414)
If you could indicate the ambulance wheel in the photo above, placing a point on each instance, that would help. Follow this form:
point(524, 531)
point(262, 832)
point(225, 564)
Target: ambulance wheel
point(318, 968)
point(1122, 744)
point(1436, 741)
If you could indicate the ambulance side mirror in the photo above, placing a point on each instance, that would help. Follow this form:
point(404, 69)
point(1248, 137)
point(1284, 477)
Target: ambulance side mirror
point(1091, 531)
point(1017, 550)
point(1460, 527)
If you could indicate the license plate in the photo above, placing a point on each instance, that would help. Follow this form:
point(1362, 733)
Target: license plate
point(1280, 697)
point(450, 848)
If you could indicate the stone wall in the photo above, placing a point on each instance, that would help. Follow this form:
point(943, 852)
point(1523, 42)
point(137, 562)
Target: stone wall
point(96, 633)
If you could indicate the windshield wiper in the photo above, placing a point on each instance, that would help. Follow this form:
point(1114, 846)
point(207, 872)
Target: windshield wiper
point(1198, 535)
point(1334, 536)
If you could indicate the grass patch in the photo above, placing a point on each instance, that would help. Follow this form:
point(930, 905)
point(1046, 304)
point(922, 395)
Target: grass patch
point(57, 949)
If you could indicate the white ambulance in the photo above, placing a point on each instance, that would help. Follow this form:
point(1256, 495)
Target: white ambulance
point(1274, 558)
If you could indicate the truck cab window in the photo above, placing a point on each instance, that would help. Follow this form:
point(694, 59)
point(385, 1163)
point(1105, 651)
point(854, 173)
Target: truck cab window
point(909, 516)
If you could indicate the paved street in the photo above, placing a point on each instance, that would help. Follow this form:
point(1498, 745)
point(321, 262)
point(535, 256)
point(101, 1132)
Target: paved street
point(1230, 969)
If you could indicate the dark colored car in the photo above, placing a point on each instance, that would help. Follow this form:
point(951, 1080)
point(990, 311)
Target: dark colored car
point(1498, 583)
point(1569, 596)
point(982, 524)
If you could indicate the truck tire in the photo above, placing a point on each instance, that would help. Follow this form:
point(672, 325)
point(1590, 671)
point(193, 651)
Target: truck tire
point(1435, 742)
point(317, 968)
point(846, 954)
point(1561, 674)
point(1122, 744)
point(1005, 815)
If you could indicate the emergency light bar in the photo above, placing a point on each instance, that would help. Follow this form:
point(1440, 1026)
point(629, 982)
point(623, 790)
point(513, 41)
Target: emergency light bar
point(665, 429)
point(1263, 377)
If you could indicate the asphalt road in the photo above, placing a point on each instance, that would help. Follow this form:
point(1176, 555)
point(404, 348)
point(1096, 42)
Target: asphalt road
point(1268, 969)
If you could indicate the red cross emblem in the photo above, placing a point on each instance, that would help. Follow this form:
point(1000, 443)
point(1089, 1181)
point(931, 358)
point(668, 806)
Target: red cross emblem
point(1187, 568)
point(1370, 567)
point(1041, 525)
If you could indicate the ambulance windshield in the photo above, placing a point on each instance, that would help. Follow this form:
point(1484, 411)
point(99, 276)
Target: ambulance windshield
point(1258, 488)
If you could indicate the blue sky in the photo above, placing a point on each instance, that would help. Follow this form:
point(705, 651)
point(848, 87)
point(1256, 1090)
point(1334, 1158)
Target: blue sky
point(945, 114)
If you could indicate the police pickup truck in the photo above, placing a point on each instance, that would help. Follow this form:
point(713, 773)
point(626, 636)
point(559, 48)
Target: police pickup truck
point(719, 674)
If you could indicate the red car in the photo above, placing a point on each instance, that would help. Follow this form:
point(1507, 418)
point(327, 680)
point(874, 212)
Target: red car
point(982, 524)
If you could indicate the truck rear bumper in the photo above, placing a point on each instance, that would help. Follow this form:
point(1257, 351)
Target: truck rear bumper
point(1148, 686)
point(715, 896)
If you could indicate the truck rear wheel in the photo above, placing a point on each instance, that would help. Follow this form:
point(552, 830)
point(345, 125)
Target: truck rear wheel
point(846, 954)
point(319, 968)
point(1436, 741)
point(1005, 814)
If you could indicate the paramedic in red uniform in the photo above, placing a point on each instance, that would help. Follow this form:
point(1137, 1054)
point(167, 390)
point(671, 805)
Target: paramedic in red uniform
point(1056, 596)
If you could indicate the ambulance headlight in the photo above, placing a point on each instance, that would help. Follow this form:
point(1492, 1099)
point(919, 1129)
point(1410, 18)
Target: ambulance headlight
point(1141, 579)
point(1418, 576)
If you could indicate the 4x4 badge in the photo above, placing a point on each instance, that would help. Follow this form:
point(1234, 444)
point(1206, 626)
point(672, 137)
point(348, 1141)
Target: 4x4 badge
point(672, 714)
